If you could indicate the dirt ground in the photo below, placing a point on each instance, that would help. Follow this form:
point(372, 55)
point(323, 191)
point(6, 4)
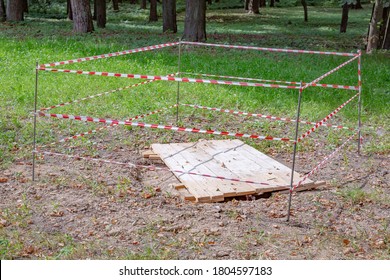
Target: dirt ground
point(86, 210)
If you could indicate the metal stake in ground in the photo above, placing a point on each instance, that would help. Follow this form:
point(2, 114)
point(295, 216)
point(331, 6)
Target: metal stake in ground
point(178, 85)
point(359, 100)
point(35, 119)
point(295, 152)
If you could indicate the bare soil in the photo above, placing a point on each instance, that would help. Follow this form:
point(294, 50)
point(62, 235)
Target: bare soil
point(87, 210)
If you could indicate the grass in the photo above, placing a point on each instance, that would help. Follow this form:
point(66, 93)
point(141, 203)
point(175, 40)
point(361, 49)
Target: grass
point(44, 39)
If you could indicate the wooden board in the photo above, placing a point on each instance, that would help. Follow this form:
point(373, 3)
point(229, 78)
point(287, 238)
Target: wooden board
point(226, 158)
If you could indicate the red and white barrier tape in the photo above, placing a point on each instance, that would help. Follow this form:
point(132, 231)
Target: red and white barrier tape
point(100, 94)
point(261, 116)
point(328, 117)
point(163, 78)
point(153, 168)
point(315, 169)
point(149, 48)
point(108, 126)
point(331, 71)
point(276, 81)
point(267, 49)
point(165, 127)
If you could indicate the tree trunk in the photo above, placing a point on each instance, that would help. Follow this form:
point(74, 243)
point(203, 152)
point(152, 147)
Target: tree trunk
point(357, 5)
point(143, 4)
point(246, 5)
point(115, 5)
point(2, 11)
point(82, 17)
point(15, 9)
point(25, 6)
point(272, 3)
point(373, 34)
point(254, 6)
point(262, 3)
point(304, 5)
point(169, 15)
point(344, 18)
point(153, 11)
point(195, 21)
point(69, 10)
point(101, 17)
point(385, 30)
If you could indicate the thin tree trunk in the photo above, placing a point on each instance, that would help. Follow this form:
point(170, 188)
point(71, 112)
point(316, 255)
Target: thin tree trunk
point(385, 32)
point(25, 6)
point(272, 3)
point(344, 18)
point(2, 11)
point(82, 17)
point(69, 10)
point(143, 4)
point(101, 17)
point(195, 21)
point(254, 6)
point(115, 5)
point(357, 5)
point(373, 34)
point(246, 5)
point(304, 5)
point(262, 3)
point(153, 11)
point(169, 16)
point(15, 9)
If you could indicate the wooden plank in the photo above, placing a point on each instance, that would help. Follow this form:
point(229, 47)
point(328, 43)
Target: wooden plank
point(234, 159)
point(208, 165)
point(196, 185)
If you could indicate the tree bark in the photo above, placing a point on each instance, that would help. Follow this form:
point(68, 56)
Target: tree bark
point(357, 5)
point(69, 10)
point(2, 11)
point(254, 6)
point(272, 3)
point(115, 5)
point(101, 16)
point(373, 34)
point(169, 16)
point(25, 6)
point(15, 9)
point(143, 4)
point(385, 30)
point(153, 11)
point(344, 18)
point(82, 17)
point(195, 21)
point(304, 5)
point(246, 5)
point(262, 3)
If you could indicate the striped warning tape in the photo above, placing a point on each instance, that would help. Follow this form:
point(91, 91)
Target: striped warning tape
point(321, 164)
point(267, 49)
point(163, 78)
point(331, 71)
point(276, 81)
point(262, 116)
point(108, 126)
point(328, 117)
point(100, 94)
point(165, 127)
point(153, 168)
point(149, 48)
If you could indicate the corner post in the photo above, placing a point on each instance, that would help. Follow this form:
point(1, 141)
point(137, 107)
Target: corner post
point(295, 151)
point(35, 120)
point(359, 99)
point(178, 85)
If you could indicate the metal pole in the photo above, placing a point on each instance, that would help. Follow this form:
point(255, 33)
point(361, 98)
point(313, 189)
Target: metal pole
point(178, 85)
point(295, 151)
point(35, 120)
point(359, 98)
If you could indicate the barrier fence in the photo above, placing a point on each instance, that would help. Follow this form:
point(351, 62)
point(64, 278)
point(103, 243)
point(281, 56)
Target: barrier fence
point(176, 77)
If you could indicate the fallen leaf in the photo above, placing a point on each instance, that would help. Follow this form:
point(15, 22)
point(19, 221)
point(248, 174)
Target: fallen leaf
point(346, 242)
point(3, 180)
